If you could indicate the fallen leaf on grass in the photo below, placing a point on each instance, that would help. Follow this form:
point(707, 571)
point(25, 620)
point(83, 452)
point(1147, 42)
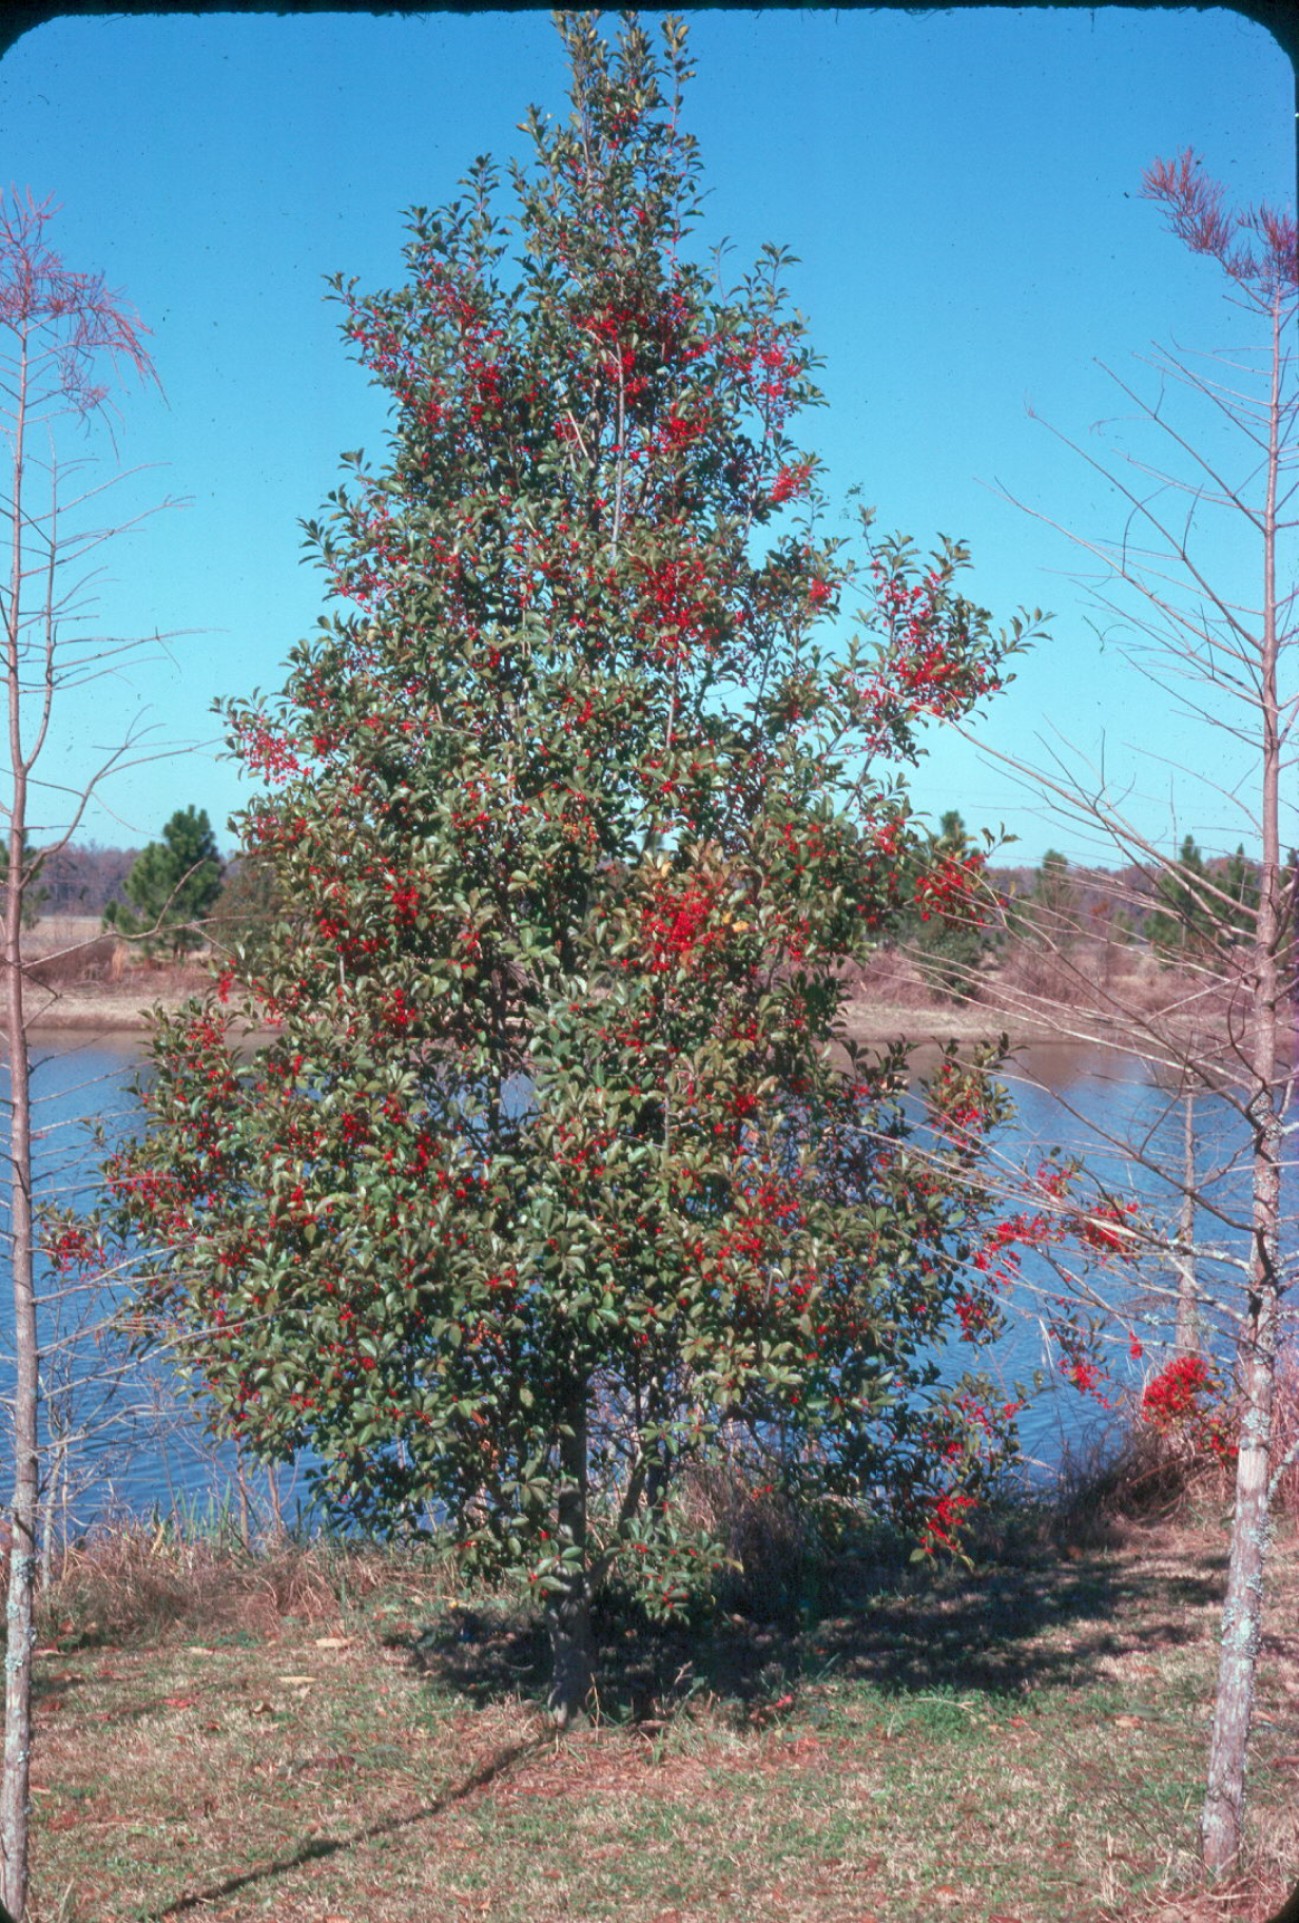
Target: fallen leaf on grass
point(297, 1682)
point(180, 1702)
point(264, 1708)
point(1128, 1722)
point(946, 1893)
point(333, 1642)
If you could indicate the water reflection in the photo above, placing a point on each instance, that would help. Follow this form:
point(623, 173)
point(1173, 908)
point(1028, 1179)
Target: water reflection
point(120, 1434)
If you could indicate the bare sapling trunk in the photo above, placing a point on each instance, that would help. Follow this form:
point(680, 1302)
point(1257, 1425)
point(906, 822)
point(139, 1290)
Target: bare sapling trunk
point(1224, 658)
point(1223, 1819)
point(568, 1612)
point(20, 1601)
point(55, 329)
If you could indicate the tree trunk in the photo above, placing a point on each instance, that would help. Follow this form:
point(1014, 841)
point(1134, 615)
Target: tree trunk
point(54, 325)
point(1223, 1819)
point(1222, 1824)
point(568, 1613)
point(20, 1601)
point(19, 1610)
point(572, 1652)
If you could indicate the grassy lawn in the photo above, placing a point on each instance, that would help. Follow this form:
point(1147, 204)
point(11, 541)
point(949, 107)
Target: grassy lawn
point(1024, 1744)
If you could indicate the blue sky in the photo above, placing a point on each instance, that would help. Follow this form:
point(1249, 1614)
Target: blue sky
point(962, 193)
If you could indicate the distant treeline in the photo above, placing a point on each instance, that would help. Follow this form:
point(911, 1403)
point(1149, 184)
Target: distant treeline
point(1123, 904)
point(83, 880)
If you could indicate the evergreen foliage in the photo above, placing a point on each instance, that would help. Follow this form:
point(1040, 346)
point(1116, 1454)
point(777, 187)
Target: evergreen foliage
point(1201, 906)
point(172, 885)
point(33, 889)
point(557, 1174)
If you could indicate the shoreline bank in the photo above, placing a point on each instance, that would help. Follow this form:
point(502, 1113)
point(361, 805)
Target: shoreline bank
point(122, 1007)
point(115, 1010)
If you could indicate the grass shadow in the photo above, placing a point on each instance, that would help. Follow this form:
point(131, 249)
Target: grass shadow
point(1026, 1619)
point(1032, 1622)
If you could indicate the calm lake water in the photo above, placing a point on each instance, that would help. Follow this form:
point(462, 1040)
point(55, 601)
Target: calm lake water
point(146, 1449)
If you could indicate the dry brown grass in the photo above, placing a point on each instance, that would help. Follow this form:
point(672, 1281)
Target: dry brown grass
point(1037, 992)
point(1148, 1477)
point(53, 933)
point(892, 978)
point(136, 1582)
point(1088, 974)
point(1155, 1473)
point(112, 1003)
point(55, 960)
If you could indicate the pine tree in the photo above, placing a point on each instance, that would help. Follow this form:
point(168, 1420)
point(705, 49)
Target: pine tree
point(172, 885)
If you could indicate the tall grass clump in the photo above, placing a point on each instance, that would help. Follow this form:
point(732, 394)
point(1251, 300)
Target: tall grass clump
point(133, 1581)
point(1172, 1451)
